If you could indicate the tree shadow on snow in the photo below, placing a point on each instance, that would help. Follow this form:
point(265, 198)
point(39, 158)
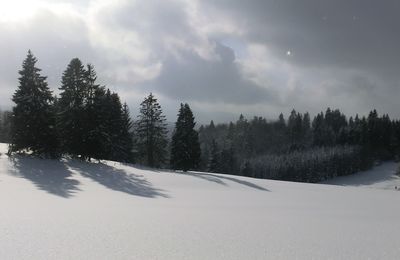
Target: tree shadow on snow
point(147, 168)
point(116, 179)
point(208, 177)
point(219, 179)
point(51, 176)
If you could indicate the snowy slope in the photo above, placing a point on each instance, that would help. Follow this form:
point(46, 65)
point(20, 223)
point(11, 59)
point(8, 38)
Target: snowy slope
point(380, 177)
point(75, 210)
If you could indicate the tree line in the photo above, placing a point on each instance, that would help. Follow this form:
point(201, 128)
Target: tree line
point(88, 121)
point(299, 149)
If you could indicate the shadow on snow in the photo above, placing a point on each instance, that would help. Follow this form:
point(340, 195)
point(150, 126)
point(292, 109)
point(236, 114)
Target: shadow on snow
point(56, 177)
point(116, 179)
point(51, 176)
point(220, 180)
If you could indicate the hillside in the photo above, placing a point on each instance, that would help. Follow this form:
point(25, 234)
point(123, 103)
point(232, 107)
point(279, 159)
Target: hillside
point(76, 210)
point(381, 177)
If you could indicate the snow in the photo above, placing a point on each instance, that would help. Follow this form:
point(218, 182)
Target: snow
point(380, 177)
point(76, 210)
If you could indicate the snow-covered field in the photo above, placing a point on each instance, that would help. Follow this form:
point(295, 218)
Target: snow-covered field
point(381, 177)
point(75, 210)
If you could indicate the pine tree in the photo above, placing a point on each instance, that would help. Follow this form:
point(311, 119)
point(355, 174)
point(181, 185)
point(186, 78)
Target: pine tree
point(116, 130)
point(5, 126)
point(98, 139)
point(33, 118)
point(105, 135)
point(295, 128)
point(228, 161)
point(281, 124)
point(114, 119)
point(150, 133)
point(185, 147)
point(126, 135)
point(91, 86)
point(306, 129)
point(71, 109)
point(306, 123)
point(279, 135)
point(214, 162)
point(93, 120)
point(241, 142)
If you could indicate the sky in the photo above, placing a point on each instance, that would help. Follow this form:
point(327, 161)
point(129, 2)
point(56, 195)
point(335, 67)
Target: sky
point(224, 58)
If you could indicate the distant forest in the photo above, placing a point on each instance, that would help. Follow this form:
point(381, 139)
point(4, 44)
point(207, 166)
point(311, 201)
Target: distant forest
point(300, 149)
point(87, 121)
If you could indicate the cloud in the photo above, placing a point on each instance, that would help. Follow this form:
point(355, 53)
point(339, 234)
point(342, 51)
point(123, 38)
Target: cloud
point(333, 45)
point(192, 78)
point(52, 38)
point(162, 50)
point(358, 34)
point(224, 56)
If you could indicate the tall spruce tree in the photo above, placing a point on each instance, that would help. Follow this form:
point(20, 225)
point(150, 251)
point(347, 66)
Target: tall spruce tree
point(115, 128)
point(97, 136)
point(185, 147)
point(71, 109)
point(92, 119)
point(150, 133)
point(228, 161)
point(295, 128)
point(108, 134)
point(33, 121)
point(214, 160)
point(125, 138)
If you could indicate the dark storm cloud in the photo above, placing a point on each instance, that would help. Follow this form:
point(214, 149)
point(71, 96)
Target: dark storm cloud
point(219, 80)
point(363, 34)
point(345, 51)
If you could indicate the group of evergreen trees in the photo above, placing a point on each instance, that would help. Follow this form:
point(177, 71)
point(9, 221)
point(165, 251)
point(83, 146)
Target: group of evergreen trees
point(89, 121)
point(151, 137)
point(298, 148)
point(311, 165)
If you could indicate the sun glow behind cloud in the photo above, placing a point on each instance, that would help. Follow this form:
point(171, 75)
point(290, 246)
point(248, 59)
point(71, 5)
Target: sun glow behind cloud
point(18, 10)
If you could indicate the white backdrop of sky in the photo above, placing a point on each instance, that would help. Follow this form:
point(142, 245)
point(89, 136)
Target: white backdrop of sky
point(256, 57)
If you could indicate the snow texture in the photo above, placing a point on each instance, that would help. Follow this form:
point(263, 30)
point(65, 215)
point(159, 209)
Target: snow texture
point(74, 210)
